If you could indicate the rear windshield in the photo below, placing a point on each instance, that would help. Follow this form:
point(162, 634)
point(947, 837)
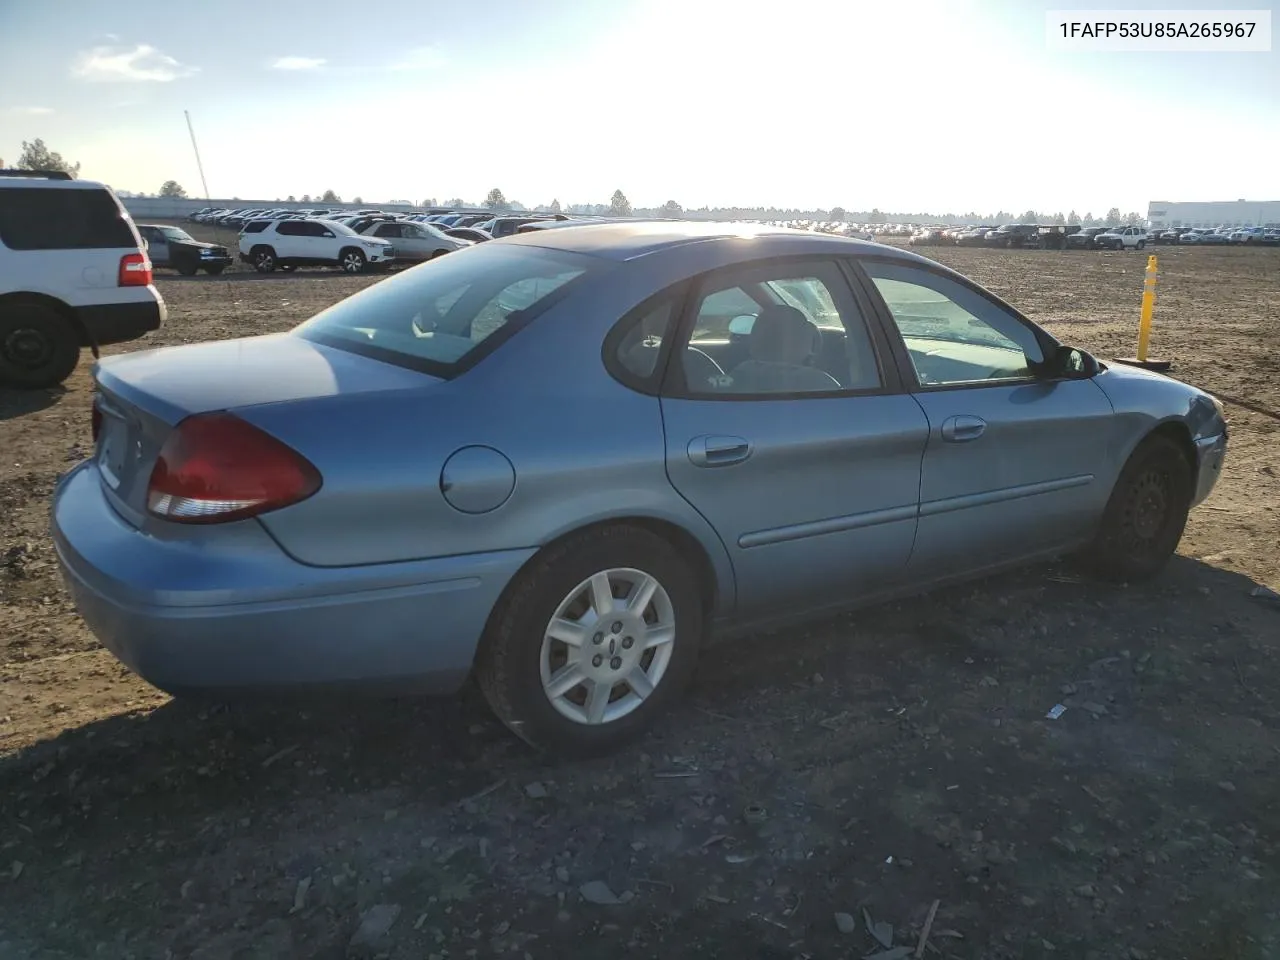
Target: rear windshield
point(439, 317)
point(35, 218)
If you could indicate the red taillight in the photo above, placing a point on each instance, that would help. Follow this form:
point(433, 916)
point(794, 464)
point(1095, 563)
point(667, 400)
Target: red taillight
point(95, 422)
point(216, 467)
point(135, 270)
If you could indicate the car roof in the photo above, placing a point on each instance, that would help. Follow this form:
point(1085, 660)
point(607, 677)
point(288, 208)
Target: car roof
point(628, 241)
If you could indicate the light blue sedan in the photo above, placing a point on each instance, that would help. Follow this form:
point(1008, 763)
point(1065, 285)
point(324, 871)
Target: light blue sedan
point(560, 462)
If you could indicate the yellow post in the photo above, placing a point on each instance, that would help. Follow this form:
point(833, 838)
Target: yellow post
point(1148, 308)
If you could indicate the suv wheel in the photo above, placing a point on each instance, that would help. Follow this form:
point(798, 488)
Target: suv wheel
point(264, 259)
point(39, 347)
point(187, 269)
point(1141, 244)
point(352, 261)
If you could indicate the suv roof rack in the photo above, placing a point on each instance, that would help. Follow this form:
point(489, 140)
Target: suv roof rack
point(47, 174)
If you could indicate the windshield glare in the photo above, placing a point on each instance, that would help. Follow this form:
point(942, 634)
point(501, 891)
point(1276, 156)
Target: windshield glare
point(434, 315)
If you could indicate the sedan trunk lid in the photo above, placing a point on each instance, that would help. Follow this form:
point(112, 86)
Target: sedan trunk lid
point(143, 395)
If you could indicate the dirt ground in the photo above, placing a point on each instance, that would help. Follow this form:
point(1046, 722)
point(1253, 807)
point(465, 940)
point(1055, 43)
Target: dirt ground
point(883, 761)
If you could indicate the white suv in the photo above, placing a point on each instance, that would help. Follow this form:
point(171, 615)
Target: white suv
point(289, 244)
point(1121, 238)
point(72, 274)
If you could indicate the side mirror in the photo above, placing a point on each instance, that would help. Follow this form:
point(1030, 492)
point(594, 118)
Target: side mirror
point(1071, 363)
point(741, 326)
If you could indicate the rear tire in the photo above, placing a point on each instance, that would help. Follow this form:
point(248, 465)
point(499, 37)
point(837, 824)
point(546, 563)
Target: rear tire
point(186, 269)
point(264, 259)
point(214, 271)
point(519, 659)
point(1146, 514)
point(1141, 244)
point(39, 347)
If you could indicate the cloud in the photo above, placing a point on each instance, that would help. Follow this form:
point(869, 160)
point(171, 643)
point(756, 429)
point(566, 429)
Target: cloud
point(421, 58)
point(141, 63)
point(31, 111)
point(297, 63)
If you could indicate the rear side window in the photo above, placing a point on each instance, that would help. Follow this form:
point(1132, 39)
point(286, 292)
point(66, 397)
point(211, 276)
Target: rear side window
point(257, 226)
point(292, 228)
point(440, 317)
point(32, 218)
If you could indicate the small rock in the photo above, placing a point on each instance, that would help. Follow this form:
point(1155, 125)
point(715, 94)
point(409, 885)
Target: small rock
point(1086, 890)
point(1068, 689)
point(16, 868)
point(845, 923)
point(598, 892)
point(1028, 902)
point(1048, 945)
point(184, 891)
point(535, 791)
point(562, 874)
point(563, 916)
point(1227, 785)
point(501, 928)
point(988, 682)
point(1136, 954)
point(1097, 709)
point(374, 925)
point(300, 894)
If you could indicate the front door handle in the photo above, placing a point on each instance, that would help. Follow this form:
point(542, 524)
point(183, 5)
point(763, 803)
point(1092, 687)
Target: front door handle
point(962, 428)
point(716, 451)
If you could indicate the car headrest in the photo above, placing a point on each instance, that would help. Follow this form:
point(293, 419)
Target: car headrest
point(782, 334)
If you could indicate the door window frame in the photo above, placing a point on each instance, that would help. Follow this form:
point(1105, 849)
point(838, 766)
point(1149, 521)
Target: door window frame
point(898, 345)
point(673, 385)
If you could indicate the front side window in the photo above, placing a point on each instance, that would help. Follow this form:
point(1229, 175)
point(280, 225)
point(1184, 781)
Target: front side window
point(436, 317)
point(778, 328)
point(952, 333)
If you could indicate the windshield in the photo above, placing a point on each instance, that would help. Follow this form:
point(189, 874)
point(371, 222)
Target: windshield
point(177, 233)
point(434, 316)
point(339, 228)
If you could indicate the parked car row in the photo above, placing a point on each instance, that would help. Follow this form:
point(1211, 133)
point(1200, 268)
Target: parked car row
point(1264, 236)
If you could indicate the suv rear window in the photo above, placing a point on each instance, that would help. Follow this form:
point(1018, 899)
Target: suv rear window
point(256, 226)
point(35, 218)
point(440, 317)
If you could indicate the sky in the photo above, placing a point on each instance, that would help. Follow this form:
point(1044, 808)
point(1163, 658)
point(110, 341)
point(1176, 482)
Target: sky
point(904, 105)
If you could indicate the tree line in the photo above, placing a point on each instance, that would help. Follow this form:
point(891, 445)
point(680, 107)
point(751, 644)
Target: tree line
point(37, 156)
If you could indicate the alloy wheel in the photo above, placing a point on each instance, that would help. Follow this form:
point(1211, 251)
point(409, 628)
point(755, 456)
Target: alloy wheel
point(608, 645)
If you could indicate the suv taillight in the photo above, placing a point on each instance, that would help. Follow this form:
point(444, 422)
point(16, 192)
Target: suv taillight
point(215, 467)
point(135, 270)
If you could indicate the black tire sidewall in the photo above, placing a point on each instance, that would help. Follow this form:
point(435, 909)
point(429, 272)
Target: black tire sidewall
point(64, 340)
point(1107, 552)
point(342, 261)
point(518, 633)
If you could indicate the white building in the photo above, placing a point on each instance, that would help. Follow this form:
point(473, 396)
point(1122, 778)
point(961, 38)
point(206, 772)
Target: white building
point(1224, 213)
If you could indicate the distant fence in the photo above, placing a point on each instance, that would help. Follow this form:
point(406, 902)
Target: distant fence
point(177, 208)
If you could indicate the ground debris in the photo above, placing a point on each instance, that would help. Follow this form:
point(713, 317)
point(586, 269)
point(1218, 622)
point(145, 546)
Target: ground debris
point(845, 923)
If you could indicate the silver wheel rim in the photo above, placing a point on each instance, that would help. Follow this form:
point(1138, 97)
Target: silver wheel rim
point(608, 646)
point(352, 263)
point(265, 261)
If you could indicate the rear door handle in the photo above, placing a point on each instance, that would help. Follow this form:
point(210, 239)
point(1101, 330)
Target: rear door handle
point(717, 451)
point(962, 428)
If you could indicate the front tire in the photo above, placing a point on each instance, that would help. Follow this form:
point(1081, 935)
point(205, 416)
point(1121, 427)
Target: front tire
point(39, 347)
point(352, 261)
point(187, 269)
point(214, 271)
point(593, 641)
point(1146, 514)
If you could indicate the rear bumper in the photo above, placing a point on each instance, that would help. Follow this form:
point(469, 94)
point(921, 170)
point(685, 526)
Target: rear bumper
point(1210, 454)
point(227, 611)
point(120, 322)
